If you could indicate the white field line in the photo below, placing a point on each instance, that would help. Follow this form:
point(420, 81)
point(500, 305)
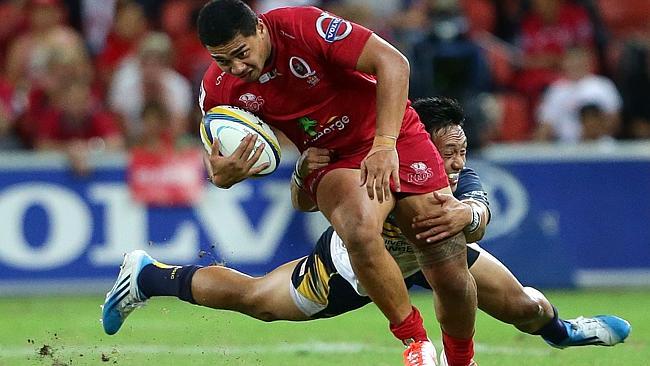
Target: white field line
point(288, 348)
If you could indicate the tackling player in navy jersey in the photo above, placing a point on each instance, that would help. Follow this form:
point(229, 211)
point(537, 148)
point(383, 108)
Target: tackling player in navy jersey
point(324, 284)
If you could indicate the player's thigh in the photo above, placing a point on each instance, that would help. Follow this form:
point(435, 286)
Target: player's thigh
point(274, 291)
point(497, 288)
point(347, 206)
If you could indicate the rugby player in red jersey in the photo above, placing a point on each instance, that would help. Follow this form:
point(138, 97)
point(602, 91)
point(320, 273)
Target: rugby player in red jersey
point(326, 82)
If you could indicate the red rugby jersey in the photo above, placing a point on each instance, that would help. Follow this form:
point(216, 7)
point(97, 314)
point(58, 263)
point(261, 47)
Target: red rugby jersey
point(309, 90)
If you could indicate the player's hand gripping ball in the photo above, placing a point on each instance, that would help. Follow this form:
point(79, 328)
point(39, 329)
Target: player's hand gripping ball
point(229, 125)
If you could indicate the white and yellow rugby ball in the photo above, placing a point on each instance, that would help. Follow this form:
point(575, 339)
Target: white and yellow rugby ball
point(229, 125)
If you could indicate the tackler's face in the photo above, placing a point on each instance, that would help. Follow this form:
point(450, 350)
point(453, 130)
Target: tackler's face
point(451, 142)
point(244, 57)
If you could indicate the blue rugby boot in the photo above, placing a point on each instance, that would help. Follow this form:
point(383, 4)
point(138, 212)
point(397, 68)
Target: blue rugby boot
point(125, 296)
point(601, 330)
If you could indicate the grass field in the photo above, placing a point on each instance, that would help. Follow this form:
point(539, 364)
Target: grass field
point(66, 331)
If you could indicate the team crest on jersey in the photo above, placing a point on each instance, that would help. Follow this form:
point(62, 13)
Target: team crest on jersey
point(301, 69)
point(251, 102)
point(332, 28)
point(421, 174)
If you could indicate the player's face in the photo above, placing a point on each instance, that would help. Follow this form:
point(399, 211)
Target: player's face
point(452, 145)
point(244, 57)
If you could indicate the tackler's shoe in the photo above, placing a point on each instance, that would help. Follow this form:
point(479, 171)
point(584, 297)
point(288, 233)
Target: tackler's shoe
point(601, 330)
point(125, 296)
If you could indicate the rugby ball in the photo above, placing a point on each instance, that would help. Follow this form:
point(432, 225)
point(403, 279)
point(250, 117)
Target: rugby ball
point(229, 125)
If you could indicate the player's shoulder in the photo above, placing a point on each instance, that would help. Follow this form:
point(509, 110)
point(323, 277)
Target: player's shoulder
point(287, 12)
point(216, 87)
point(469, 180)
point(468, 173)
point(470, 186)
point(298, 21)
point(215, 79)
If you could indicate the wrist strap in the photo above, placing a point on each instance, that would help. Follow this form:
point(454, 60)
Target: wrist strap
point(296, 169)
point(385, 140)
point(297, 181)
point(394, 138)
point(476, 221)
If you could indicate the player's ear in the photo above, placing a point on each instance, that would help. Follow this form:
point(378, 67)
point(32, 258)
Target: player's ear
point(261, 28)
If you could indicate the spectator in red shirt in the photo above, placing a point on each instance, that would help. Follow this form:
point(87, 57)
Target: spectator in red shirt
point(130, 26)
point(179, 22)
point(60, 66)
point(547, 31)
point(77, 125)
point(28, 54)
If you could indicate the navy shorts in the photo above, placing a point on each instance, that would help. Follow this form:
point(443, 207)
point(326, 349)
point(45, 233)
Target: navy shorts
point(321, 292)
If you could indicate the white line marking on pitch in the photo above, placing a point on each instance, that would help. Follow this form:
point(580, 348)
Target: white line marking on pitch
point(311, 347)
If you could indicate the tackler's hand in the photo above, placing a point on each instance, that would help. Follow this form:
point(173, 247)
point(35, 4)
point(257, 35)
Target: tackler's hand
point(450, 218)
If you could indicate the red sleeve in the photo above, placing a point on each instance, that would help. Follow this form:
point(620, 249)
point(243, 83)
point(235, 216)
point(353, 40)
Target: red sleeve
point(335, 39)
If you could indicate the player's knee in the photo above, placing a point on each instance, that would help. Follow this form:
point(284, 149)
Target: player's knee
point(524, 310)
point(359, 234)
point(360, 244)
point(264, 313)
point(267, 316)
point(258, 302)
point(454, 286)
point(543, 310)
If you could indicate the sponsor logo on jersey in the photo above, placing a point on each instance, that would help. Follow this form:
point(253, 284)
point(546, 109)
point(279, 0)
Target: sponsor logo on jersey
point(301, 69)
point(315, 131)
point(332, 28)
point(308, 125)
point(268, 76)
point(421, 174)
point(251, 102)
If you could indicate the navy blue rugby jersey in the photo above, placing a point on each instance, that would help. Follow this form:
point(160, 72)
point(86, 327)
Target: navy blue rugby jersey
point(470, 186)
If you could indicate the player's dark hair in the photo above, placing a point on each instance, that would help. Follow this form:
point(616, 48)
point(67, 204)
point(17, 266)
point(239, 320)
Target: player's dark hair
point(220, 21)
point(439, 113)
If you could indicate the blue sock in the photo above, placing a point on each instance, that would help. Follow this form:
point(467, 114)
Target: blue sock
point(554, 331)
point(155, 280)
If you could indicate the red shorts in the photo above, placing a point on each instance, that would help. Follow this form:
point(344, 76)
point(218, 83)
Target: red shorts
point(421, 169)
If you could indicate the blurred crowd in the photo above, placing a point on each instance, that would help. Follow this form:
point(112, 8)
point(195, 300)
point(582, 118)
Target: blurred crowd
point(85, 75)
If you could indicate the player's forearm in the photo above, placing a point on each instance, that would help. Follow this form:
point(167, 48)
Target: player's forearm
point(480, 218)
